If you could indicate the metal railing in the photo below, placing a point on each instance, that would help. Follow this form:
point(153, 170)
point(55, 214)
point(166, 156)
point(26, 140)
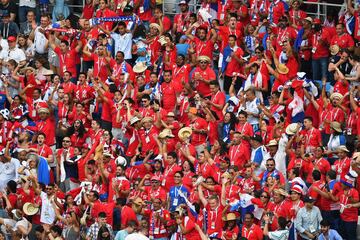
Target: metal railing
point(171, 7)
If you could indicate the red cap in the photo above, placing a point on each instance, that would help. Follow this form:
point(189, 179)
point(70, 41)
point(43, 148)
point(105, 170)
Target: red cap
point(11, 39)
point(317, 21)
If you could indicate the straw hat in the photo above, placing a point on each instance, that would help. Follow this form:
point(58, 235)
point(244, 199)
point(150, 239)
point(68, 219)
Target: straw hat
point(309, 19)
point(166, 133)
point(140, 67)
point(30, 209)
point(185, 133)
point(230, 217)
point(146, 119)
point(134, 120)
point(281, 192)
point(170, 114)
point(203, 58)
point(25, 69)
point(155, 25)
point(334, 49)
point(337, 95)
point(292, 129)
point(282, 68)
point(342, 148)
point(336, 126)
point(272, 143)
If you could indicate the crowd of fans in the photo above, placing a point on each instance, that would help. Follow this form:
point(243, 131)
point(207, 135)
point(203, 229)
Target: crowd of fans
point(235, 120)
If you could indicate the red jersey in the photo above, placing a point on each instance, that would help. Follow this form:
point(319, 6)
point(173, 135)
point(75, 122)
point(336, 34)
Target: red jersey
point(343, 41)
point(204, 48)
point(147, 140)
point(67, 61)
point(253, 233)
point(207, 75)
point(321, 48)
point(168, 91)
point(198, 124)
point(349, 214)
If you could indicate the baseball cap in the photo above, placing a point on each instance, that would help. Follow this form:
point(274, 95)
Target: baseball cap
point(183, 2)
point(11, 39)
point(308, 199)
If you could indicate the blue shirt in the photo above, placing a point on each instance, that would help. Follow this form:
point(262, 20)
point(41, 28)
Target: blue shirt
point(332, 235)
point(175, 196)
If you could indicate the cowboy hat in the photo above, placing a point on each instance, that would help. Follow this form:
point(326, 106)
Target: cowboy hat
point(139, 67)
point(337, 95)
point(170, 114)
point(334, 49)
point(185, 133)
point(342, 148)
point(292, 128)
point(30, 209)
point(282, 68)
point(166, 133)
point(203, 58)
point(272, 143)
point(336, 126)
point(155, 25)
point(134, 120)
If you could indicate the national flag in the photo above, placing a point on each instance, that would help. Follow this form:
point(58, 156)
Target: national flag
point(246, 205)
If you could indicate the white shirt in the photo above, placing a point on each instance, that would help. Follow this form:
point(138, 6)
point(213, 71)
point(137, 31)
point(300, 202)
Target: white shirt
point(47, 211)
point(40, 41)
point(28, 3)
point(16, 54)
point(8, 171)
point(123, 43)
point(253, 108)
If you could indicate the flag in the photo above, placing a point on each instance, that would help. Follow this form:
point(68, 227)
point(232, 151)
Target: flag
point(246, 205)
point(297, 104)
point(226, 55)
point(292, 232)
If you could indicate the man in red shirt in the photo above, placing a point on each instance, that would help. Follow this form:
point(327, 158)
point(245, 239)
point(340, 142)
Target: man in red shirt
point(231, 63)
point(202, 76)
point(250, 230)
point(83, 93)
point(320, 50)
point(182, 19)
point(102, 63)
point(104, 11)
point(159, 16)
point(239, 153)
point(312, 136)
point(147, 135)
point(169, 93)
point(203, 47)
point(214, 210)
point(217, 101)
point(66, 56)
point(342, 39)
point(199, 130)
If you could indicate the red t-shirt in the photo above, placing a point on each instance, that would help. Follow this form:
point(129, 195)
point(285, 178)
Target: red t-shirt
point(127, 214)
point(322, 49)
point(253, 233)
point(343, 41)
point(192, 233)
point(67, 61)
point(47, 127)
point(165, 21)
point(198, 138)
point(234, 66)
point(208, 75)
point(168, 91)
point(101, 66)
point(349, 214)
point(204, 48)
point(214, 220)
point(108, 208)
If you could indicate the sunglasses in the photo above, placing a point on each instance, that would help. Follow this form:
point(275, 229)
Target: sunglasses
point(203, 62)
point(66, 141)
point(269, 165)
